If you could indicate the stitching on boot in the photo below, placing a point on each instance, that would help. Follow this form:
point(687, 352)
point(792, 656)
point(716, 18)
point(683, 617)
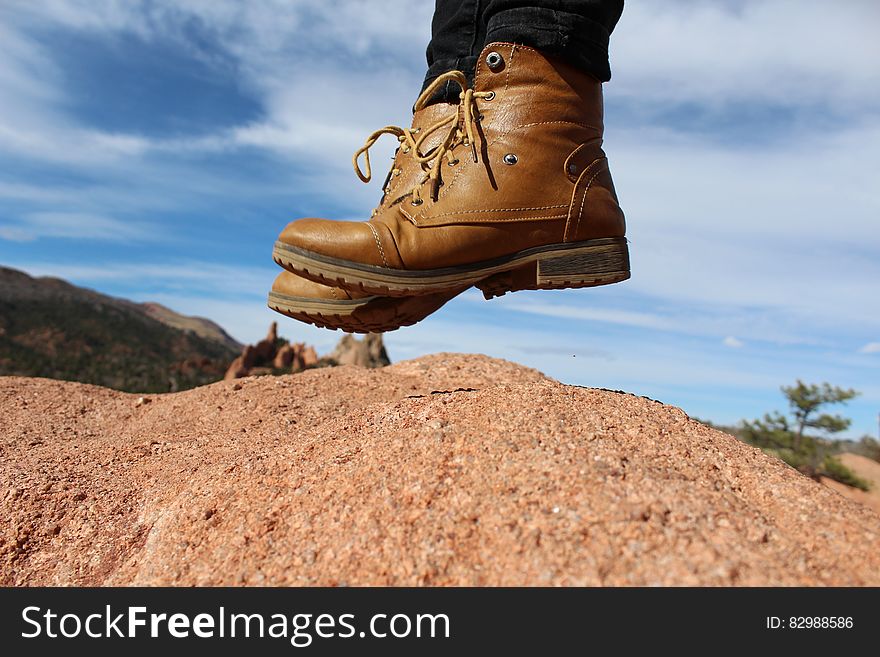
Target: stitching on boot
point(584, 201)
point(543, 207)
point(574, 154)
point(549, 216)
point(602, 164)
point(509, 66)
point(378, 243)
point(574, 195)
point(396, 247)
point(499, 137)
point(529, 125)
point(470, 220)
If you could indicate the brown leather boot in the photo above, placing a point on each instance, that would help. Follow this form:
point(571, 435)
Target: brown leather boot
point(330, 307)
point(517, 188)
point(334, 308)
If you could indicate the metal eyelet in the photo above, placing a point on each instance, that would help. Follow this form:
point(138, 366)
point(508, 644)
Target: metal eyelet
point(490, 95)
point(453, 162)
point(494, 61)
point(573, 169)
point(417, 201)
point(510, 158)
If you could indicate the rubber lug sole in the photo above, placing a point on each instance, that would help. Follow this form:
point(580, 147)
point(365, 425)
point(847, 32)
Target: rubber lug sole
point(556, 266)
point(368, 315)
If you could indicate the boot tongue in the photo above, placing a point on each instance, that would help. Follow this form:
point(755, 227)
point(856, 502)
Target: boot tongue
point(410, 171)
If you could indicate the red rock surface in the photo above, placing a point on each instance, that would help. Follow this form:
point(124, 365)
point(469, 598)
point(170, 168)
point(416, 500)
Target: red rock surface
point(448, 469)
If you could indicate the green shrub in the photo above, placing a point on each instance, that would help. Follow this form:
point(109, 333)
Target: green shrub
point(834, 469)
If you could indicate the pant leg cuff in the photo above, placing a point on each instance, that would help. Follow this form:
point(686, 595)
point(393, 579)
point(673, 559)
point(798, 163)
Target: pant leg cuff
point(579, 41)
point(449, 92)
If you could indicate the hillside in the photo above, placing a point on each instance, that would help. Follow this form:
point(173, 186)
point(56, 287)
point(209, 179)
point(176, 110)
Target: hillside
point(446, 470)
point(50, 328)
point(202, 327)
point(866, 469)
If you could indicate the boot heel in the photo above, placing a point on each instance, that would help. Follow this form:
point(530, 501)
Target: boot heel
point(599, 262)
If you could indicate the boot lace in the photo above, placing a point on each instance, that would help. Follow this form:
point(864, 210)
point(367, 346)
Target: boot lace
point(460, 127)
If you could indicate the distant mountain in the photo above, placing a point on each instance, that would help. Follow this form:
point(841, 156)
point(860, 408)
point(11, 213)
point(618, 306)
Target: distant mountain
point(199, 325)
point(53, 329)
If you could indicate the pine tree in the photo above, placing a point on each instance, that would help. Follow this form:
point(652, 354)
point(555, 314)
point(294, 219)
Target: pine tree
point(805, 402)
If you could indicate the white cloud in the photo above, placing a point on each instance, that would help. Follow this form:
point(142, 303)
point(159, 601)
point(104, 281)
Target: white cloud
point(307, 64)
point(710, 319)
point(25, 70)
point(590, 314)
point(732, 342)
point(76, 225)
point(313, 119)
point(752, 229)
point(871, 348)
point(194, 277)
point(785, 52)
point(307, 95)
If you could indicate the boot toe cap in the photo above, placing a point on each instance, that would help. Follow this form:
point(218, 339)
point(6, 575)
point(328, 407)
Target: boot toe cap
point(291, 285)
point(354, 241)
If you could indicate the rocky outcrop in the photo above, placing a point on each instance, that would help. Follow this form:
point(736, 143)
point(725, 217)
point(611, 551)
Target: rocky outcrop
point(366, 352)
point(272, 355)
point(445, 470)
point(284, 358)
point(295, 357)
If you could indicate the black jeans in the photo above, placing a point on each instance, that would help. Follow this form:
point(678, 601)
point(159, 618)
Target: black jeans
point(576, 30)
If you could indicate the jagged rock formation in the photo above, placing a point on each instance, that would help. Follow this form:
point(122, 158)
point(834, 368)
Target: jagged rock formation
point(445, 470)
point(366, 352)
point(272, 355)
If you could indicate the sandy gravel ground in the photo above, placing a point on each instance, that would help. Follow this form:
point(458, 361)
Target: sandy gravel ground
point(449, 469)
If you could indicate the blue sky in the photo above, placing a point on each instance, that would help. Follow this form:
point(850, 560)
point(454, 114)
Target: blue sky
point(154, 149)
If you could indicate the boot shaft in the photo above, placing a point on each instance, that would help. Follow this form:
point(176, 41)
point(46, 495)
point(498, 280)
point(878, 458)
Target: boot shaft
point(540, 158)
point(530, 88)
